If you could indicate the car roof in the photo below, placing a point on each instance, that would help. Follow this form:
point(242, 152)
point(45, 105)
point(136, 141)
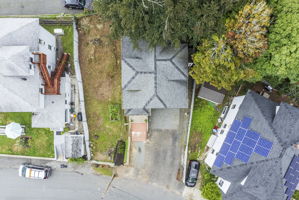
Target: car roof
point(71, 1)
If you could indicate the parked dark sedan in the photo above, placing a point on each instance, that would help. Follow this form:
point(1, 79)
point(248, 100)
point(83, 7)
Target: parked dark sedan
point(192, 173)
point(74, 4)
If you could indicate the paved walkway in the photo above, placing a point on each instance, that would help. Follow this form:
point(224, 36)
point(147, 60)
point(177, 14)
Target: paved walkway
point(192, 194)
point(157, 160)
point(59, 145)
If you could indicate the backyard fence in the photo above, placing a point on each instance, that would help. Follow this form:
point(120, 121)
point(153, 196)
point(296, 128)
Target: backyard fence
point(80, 89)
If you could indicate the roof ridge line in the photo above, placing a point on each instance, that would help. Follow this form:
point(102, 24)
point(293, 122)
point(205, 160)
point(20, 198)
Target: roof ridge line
point(177, 68)
point(182, 47)
point(270, 125)
point(19, 27)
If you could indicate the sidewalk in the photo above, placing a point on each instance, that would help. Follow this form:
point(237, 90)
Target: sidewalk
point(192, 194)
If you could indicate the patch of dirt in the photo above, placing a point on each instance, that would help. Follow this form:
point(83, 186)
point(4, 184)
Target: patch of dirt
point(101, 73)
point(194, 143)
point(99, 56)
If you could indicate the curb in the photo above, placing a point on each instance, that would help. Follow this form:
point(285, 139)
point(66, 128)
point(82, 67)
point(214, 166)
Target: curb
point(27, 157)
point(102, 163)
point(188, 134)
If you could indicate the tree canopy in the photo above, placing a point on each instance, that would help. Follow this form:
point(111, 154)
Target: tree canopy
point(282, 58)
point(214, 62)
point(247, 31)
point(167, 21)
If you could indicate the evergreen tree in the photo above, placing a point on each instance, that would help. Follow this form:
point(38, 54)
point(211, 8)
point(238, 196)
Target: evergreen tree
point(214, 62)
point(162, 22)
point(247, 31)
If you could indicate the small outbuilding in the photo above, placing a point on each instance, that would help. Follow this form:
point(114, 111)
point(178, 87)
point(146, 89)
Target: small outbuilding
point(211, 93)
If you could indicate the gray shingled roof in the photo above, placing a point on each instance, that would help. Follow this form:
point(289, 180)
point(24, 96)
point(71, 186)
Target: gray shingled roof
point(265, 175)
point(153, 78)
point(211, 93)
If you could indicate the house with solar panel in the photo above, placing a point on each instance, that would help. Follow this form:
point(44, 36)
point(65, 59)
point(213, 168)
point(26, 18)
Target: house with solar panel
point(255, 154)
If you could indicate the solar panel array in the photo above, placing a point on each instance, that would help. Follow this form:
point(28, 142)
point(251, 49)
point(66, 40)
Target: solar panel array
point(241, 142)
point(292, 177)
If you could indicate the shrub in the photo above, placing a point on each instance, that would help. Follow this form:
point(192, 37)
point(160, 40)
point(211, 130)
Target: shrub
point(114, 112)
point(76, 160)
point(211, 191)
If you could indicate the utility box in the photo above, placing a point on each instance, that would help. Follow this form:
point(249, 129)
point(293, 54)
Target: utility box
point(58, 31)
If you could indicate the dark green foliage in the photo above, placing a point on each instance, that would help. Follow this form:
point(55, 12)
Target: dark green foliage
point(167, 21)
point(211, 191)
point(114, 112)
point(285, 87)
point(208, 186)
point(282, 58)
point(119, 154)
point(77, 160)
point(296, 195)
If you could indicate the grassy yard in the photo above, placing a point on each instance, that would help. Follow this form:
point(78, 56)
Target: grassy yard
point(106, 171)
point(40, 144)
point(67, 38)
point(204, 119)
point(101, 73)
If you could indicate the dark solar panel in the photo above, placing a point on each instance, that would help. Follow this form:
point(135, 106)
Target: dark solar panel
point(229, 158)
point(235, 146)
point(265, 143)
point(249, 142)
point(230, 137)
point(241, 142)
point(253, 135)
point(224, 149)
point(235, 126)
point(243, 157)
point(245, 149)
point(261, 151)
point(246, 122)
point(241, 133)
point(219, 161)
point(292, 177)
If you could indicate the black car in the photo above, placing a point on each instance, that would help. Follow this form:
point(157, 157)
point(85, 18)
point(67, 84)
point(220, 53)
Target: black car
point(74, 4)
point(192, 173)
point(79, 116)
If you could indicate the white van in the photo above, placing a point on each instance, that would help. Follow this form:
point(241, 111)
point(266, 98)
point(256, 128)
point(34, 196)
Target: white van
point(34, 171)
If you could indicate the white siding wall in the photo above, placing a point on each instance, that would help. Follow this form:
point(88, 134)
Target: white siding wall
point(46, 40)
point(223, 130)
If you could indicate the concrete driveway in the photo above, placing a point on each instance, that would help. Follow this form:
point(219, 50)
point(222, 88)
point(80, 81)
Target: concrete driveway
point(34, 7)
point(74, 182)
point(158, 160)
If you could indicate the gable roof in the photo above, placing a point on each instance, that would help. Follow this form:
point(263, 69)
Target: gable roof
point(20, 32)
point(154, 78)
point(265, 175)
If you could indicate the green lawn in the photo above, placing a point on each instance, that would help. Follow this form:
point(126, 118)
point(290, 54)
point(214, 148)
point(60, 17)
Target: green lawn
point(40, 144)
point(67, 38)
point(107, 171)
point(204, 119)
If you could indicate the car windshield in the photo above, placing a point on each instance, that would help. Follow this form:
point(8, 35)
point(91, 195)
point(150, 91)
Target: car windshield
point(192, 180)
point(24, 171)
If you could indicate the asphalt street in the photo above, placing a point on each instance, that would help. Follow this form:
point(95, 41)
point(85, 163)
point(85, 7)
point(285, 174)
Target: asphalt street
point(75, 184)
point(34, 7)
